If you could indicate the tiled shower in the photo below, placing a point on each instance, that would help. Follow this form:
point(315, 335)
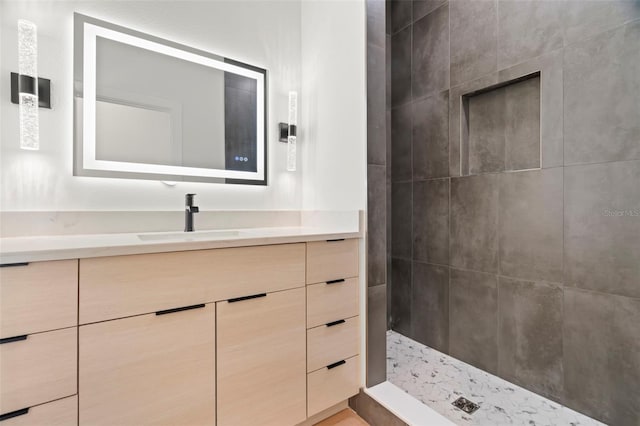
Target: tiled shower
point(512, 180)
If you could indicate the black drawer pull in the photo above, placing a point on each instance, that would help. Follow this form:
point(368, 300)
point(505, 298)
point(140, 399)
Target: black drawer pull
point(13, 414)
point(240, 299)
point(336, 364)
point(331, 324)
point(336, 240)
point(10, 265)
point(13, 339)
point(183, 308)
point(341, 280)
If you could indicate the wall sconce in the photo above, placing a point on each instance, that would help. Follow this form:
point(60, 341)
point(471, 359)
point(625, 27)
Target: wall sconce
point(27, 90)
point(288, 131)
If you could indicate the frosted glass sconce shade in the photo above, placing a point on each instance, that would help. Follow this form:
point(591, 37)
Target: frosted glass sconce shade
point(28, 84)
point(291, 137)
point(288, 131)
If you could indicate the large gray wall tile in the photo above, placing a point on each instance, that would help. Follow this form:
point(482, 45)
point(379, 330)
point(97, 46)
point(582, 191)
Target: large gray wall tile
point(401, 67)
point(401, 209)
point(388, 71)
point(376, 225)
point(522, 125)
point(530, 335)
point(431, 137)
point(389, 228)
point(474, 223)
point(376, 335)
point(400, 310)
point(527, 29)
point(431, 221)
point(401, 134)
point(389, 146)
point(401, 11)
point(387, 19)
point(602, 94)
point(586, 18)
point(376, 106)
point(473, 318)
point(602, 356)
point(422, 7)
point(602, 227)
point(430, 53)
point(486, 140)
point(531, 224)
point(474, 39)
point(430, 305)
point(376, 22)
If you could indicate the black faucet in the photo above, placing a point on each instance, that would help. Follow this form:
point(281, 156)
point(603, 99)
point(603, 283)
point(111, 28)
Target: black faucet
point(189, 210)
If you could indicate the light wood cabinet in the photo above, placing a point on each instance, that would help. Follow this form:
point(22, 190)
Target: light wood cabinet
point(333, 335)
point(149, 369)
point(331, 302)
point(38, 369)
point(37, 297)
point(248, 336)
point(62, 412)
point(262, 360)
point(332, 260)
point(120, 286)
point(332, 384)
point(327, 344)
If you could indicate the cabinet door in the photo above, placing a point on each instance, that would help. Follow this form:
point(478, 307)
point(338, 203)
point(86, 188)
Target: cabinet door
point(156, 369)
point(262, 360)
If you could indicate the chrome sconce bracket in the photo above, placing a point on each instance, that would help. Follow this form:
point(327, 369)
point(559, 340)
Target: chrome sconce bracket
point(25, 84)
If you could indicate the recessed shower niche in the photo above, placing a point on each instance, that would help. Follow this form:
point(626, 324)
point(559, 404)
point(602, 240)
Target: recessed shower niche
point(501, 127)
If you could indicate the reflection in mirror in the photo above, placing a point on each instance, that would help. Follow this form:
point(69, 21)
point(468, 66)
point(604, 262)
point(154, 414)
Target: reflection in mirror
point(151, 109)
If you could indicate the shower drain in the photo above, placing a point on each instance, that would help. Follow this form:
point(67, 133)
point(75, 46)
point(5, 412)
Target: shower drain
point(465, 405)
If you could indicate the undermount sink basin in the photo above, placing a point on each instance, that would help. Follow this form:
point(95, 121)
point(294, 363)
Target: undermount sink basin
point(188, 236)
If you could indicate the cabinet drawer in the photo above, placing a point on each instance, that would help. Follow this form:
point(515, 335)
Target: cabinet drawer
point(262, 360)
point(149, 370)
point(328, 344)
point(332, 384)
point(332, 260)
point(120, 286)
point(331, 302)
point(38, 297)
point(63, 412)
point(39, 369)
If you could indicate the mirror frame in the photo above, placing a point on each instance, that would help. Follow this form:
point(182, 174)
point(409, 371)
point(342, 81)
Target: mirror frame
point(86, 30)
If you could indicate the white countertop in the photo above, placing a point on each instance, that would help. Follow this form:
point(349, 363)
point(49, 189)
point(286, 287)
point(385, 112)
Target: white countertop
point(32, 249)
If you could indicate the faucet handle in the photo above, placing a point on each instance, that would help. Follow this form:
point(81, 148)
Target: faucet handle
point(194, 209)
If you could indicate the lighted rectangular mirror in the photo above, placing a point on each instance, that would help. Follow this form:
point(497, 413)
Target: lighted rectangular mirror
point(149, 108)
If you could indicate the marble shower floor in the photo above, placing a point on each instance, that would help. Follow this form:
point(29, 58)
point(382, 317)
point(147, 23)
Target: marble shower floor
point(437, 380)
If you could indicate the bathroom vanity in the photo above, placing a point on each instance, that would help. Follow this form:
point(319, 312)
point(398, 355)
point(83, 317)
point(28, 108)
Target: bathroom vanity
point(246, 335)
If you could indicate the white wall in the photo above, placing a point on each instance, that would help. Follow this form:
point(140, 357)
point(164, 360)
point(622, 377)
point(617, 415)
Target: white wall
point(263, 33)
point(333, 105)
point(314, 46)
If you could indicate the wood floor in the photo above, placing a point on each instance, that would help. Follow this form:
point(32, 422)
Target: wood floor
point(346, 417)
